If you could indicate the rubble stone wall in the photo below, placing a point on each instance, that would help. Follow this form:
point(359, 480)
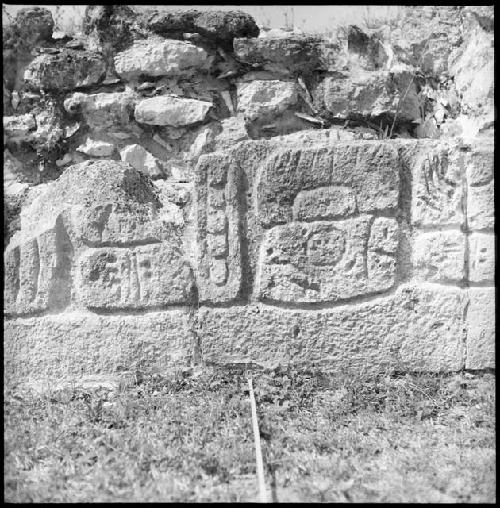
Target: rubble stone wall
point(182, 189)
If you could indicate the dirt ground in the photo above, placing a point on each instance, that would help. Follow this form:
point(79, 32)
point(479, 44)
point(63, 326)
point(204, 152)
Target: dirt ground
point(396, 438)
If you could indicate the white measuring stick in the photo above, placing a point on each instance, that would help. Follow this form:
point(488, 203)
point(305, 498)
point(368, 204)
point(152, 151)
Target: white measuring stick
point(258, 451)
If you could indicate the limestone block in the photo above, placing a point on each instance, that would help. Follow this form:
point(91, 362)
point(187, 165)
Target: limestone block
point(473, 70)
point(480, 188)
point(233, 131)
point(481, 329)
point(221, 26)
point(327, 261)
point(102, 201)
point(437, 191)
point(140, 159)
point(49, 130)
point(369, 170)
point(219, 273)
point(34, 24)
point(265, 99)
point(96, 148)
point(368, 94)
point(162, 57)
point(202, 143)
point(416, 328)
point(38, 272)
point(171, 110)
point(19, 127)
point(75, 345)
point(384, 235)
point(65, 70)
point(482, 257)
point(102, 111)
point(481, 206)
point(105, 204)
point(294, 53)
point(11, 277)
point(145, 276)
point(439, 256)
point(324, 203)
point(225, 25)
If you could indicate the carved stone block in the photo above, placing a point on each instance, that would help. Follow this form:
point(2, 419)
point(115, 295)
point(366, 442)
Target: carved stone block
point(482, 257)
point(140, 277)
point(326, 182)
point(218, 230)
point(440, 256)
point(438, 190)
point(38, 272)
point(328, 261)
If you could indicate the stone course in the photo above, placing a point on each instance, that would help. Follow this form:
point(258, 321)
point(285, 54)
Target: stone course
point(183, 187)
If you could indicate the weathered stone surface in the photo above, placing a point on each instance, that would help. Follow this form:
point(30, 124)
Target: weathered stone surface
point(49, 131)
point(102, 111)
point(481, 206)
point(222, 26)
point(369, 48)
point(161, 58)
point(369, 169)
point(368, 94)
point(219, 273)
point(202, 143)
point(101, 201)
point(109, 26)
point(438, 173)
point(96, 148)
point(233, 131)
point(481, 329)
point(65, 70)
point(171, 110)
point(473, 71)
point(136, 250)
point(324, 203)
point(482, 257)
point(31, 26)
point(417, 328)
point(144, 276)
point(439, 256)
point(298, 54)
point(310, 248)
point(38, 272)
point(140, 159)
point(77, 345)
point(263, 100)
point(17, 128)
point(322, 262)
point(480, 188)
point(225, 26)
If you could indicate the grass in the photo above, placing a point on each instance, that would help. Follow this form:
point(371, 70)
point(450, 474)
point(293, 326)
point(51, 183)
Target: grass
point(415, 438)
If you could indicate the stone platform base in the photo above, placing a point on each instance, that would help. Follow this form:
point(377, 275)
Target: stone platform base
point(428, 327)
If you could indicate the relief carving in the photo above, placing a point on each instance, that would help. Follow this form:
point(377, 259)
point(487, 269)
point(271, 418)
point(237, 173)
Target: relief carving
point(328, 261)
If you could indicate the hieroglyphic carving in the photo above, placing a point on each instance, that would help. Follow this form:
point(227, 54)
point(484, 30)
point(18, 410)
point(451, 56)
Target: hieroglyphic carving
point(327, 182)
point(104, 222)
point(482, 257)
point(38, 272)
point(135, 277)
point(328, 261)
point(438, 190)
point(439, 256)
point(480, 188)
point(218, 230)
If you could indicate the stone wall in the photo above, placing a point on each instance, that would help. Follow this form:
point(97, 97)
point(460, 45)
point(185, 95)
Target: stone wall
point(180, 189)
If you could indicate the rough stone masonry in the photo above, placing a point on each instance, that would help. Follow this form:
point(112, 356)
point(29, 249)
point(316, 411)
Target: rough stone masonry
point(185, 188)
